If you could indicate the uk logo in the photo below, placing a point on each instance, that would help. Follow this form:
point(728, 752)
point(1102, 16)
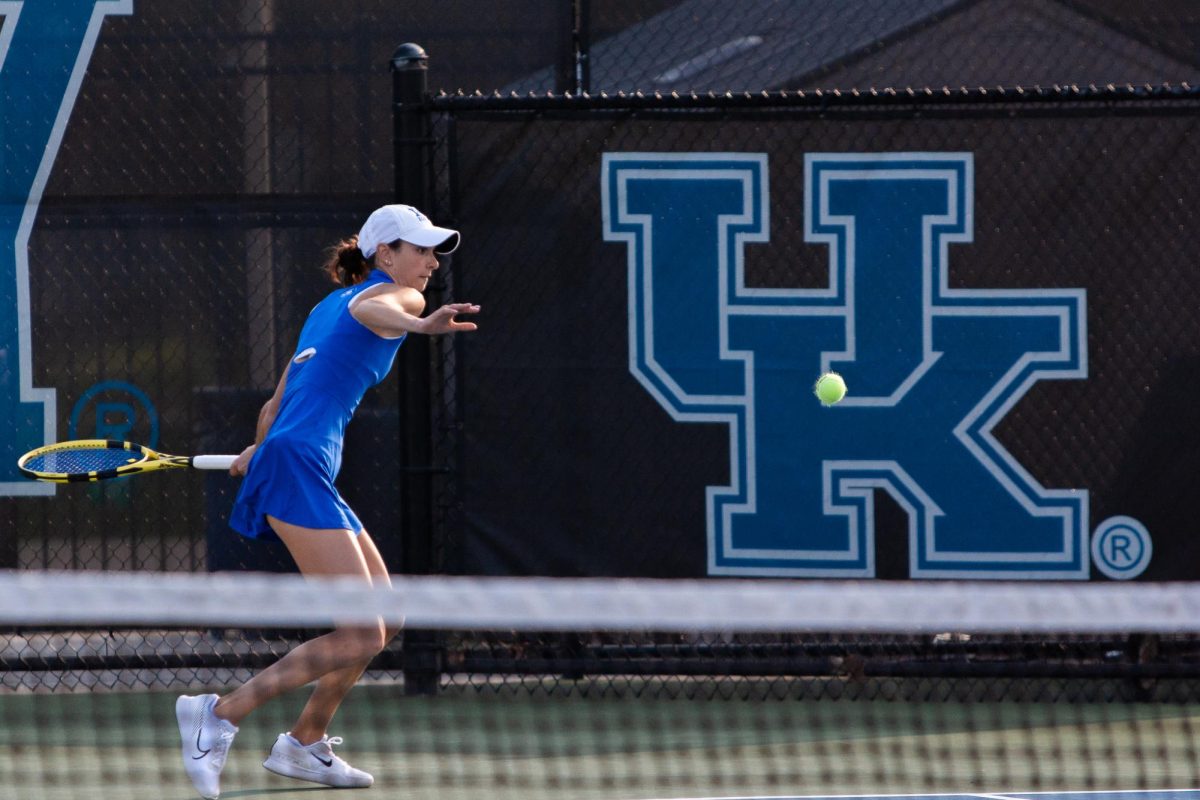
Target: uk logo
point(932, 368)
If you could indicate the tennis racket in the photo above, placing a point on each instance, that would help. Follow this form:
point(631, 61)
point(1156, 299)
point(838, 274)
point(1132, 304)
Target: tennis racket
point(101, 459)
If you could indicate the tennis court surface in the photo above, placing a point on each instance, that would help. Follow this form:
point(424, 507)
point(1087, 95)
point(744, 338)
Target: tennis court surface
point(655, 695)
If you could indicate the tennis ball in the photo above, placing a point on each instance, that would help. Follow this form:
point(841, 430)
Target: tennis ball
point(829, 388)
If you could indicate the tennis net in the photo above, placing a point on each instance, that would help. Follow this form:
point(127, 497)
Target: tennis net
point(564, 688)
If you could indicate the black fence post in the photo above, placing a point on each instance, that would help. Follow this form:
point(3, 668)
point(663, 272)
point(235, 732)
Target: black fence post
point(571, 66)
point(583, 46)
point(412, 140)
point(10, 551)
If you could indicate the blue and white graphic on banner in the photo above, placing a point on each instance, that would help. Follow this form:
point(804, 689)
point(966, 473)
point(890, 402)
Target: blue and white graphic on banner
point(931, 369)
point(45, 47)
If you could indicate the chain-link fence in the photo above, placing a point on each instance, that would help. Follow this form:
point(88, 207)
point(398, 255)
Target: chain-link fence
point(214, 150)
point(1068, 192)
point(252, 134)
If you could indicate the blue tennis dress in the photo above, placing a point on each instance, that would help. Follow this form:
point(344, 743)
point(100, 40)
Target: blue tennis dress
point(291, 474)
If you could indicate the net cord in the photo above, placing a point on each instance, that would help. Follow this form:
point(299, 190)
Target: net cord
point(32, 598)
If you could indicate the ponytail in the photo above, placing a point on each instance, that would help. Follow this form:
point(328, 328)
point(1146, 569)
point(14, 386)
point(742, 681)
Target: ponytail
point(345, 264)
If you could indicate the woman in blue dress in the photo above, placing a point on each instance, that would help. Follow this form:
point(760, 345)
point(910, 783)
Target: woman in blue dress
point(346, 346)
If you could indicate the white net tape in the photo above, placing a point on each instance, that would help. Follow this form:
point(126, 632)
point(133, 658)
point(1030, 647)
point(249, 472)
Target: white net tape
point(551, 604)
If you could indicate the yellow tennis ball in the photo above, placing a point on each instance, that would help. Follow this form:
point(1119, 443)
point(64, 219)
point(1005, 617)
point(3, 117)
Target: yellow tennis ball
point(830, 388)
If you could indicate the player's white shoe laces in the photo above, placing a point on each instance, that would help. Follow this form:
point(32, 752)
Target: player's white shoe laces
point(206, 739)
point(315, 762)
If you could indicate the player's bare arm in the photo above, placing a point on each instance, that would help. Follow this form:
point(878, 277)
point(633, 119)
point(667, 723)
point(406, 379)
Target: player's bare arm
point(398, 310)
point(266, 416)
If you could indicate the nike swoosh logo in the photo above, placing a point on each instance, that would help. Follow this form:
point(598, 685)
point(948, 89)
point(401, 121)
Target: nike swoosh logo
point(200, 749)
point(328, 763)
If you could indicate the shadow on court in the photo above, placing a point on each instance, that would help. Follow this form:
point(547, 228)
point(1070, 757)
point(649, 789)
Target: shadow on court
point(264, 792)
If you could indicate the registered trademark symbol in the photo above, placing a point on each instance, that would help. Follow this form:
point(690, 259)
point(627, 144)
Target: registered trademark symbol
point(1121, 548)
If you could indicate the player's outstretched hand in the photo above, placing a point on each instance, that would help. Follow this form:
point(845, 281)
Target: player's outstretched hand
point(444, 319)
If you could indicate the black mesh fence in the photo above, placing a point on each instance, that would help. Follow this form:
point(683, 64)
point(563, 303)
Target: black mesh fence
point(177, 250)
point(215, 149)
point(1069, 192)
point(558, 461)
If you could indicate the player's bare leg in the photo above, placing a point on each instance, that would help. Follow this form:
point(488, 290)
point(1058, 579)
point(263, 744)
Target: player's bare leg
point(207, 724)
point(332, 687)
point(317, 552)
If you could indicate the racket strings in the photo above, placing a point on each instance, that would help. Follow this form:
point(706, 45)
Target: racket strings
point(82, 461)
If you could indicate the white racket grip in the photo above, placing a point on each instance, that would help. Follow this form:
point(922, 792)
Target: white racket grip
point(213, 462)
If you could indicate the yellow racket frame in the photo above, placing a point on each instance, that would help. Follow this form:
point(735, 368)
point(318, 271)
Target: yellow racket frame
point(142, 459)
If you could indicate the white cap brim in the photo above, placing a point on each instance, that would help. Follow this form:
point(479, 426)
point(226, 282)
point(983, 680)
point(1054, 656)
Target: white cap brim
point(442, 240)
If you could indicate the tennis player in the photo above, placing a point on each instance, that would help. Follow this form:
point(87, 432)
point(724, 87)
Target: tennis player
point(347, 345)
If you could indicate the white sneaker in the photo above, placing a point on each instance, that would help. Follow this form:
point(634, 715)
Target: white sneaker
point(206, 740)
point(315, 762)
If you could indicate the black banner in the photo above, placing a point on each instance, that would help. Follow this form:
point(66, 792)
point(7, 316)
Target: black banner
point(1019, 366)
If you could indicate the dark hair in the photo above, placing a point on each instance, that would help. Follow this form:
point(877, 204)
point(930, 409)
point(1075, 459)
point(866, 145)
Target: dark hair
point(345, 264)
